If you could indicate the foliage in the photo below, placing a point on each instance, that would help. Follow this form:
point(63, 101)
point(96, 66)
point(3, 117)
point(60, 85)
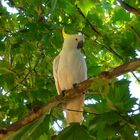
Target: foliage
point(31, 38)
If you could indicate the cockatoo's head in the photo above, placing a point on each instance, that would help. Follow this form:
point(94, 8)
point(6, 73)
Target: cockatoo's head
point(74, 41)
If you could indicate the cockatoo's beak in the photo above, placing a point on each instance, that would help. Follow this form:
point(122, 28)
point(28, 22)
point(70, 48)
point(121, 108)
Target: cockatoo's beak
point(80, 44)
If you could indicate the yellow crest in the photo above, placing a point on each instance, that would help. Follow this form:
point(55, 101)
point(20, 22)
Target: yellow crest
point(64, 34)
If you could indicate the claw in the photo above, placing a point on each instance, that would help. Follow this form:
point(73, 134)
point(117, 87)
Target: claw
point(63, 92)
point(75, 85)
point(83, 92)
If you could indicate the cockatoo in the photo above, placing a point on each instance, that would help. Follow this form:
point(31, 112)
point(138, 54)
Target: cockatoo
point(69, 68)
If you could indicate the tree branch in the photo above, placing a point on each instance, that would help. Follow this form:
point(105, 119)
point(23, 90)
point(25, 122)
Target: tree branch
point(129, 8)
point(70, 94)
point(135, 32)
point(122, 69)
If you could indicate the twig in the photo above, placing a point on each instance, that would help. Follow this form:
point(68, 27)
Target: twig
point(111, 50)
point(73, 110)
point(129, 8)
point(92, 93)
point(17, 7)
point(25, 77)
point(83, 111)
point(92, 27)
point(135, 32)
point(41, 56)
point(135, 77)
point(133, 111)
point(119, 56)
point(70, 94)
point(58, 125)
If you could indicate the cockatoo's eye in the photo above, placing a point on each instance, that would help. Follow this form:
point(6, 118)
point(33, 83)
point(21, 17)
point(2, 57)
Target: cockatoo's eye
point(76, 39)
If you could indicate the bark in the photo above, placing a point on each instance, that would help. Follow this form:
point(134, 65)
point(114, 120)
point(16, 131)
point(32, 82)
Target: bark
point(129, 8)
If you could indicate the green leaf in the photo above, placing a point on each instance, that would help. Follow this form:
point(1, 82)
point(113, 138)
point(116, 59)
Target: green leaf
point(136, 119)
point(128, 133)
point(74, 132)
point(85, 6)
point(106, 5)
point(108, 118)
point(120, 96)
point(121, 15)
point(43, 137)
point(95, 18)
point(4, 67)
point(53, 3)
point(67, 6)
point(2, 47)
point(34, 130)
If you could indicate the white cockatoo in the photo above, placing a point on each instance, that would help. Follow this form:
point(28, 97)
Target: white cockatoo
point(69, 68)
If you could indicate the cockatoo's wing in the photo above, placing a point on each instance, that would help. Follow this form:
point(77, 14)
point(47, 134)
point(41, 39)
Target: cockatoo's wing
point(55, 69)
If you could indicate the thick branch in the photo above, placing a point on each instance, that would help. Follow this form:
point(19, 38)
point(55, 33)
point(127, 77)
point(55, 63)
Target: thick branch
point(70, 94)
point(122, 69)
point(129, 8)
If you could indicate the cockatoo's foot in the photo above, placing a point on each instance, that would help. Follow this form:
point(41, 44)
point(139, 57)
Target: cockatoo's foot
point(75, 85)
point(83, 92)
point(63, 92)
